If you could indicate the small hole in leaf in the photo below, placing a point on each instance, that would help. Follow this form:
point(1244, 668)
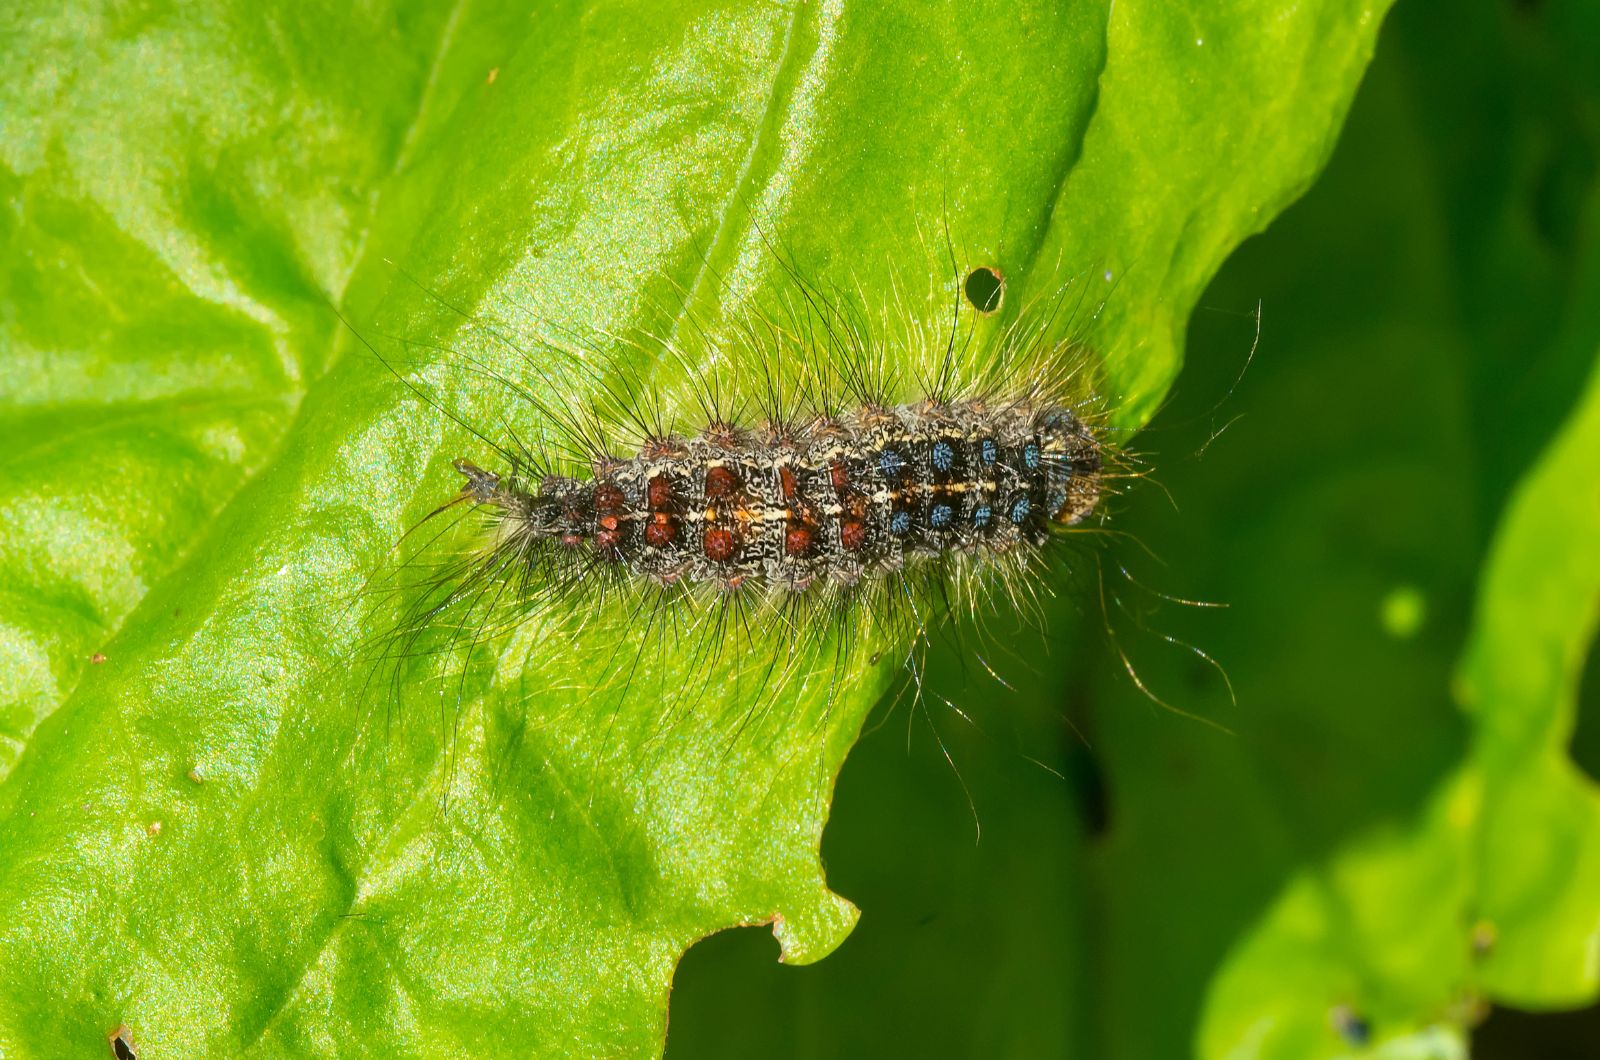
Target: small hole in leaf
point(984, 289)
point(121, 1041)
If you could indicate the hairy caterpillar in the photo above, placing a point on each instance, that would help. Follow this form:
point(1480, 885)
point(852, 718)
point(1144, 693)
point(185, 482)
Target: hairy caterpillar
point(801, 502)
point(811, 477)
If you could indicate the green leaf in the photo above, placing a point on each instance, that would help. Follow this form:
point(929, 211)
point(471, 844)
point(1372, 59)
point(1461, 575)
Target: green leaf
point(209, 836)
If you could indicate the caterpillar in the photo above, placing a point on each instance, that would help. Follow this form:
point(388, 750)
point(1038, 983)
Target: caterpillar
point(786, 505)
point(830, 479)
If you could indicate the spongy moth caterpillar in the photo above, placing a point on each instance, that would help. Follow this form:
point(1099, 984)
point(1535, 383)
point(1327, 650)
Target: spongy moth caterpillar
point(813, 477)
point(807, 502)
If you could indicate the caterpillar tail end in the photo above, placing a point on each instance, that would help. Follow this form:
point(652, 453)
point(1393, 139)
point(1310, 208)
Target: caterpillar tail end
point(482, 486)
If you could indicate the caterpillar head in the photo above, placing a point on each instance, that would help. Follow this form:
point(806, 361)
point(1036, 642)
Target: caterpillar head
point(1072, 457)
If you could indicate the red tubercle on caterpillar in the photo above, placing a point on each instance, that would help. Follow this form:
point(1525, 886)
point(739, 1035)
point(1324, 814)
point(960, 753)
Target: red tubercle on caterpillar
point(661, 531)
point(719, 544)
point(798, 538)
point(661, 528)
point(608, 534)
point(721, 481)
point(658, 493)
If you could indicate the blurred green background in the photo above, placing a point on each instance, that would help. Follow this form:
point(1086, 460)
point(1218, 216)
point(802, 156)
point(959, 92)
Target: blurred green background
point(1430, 315)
